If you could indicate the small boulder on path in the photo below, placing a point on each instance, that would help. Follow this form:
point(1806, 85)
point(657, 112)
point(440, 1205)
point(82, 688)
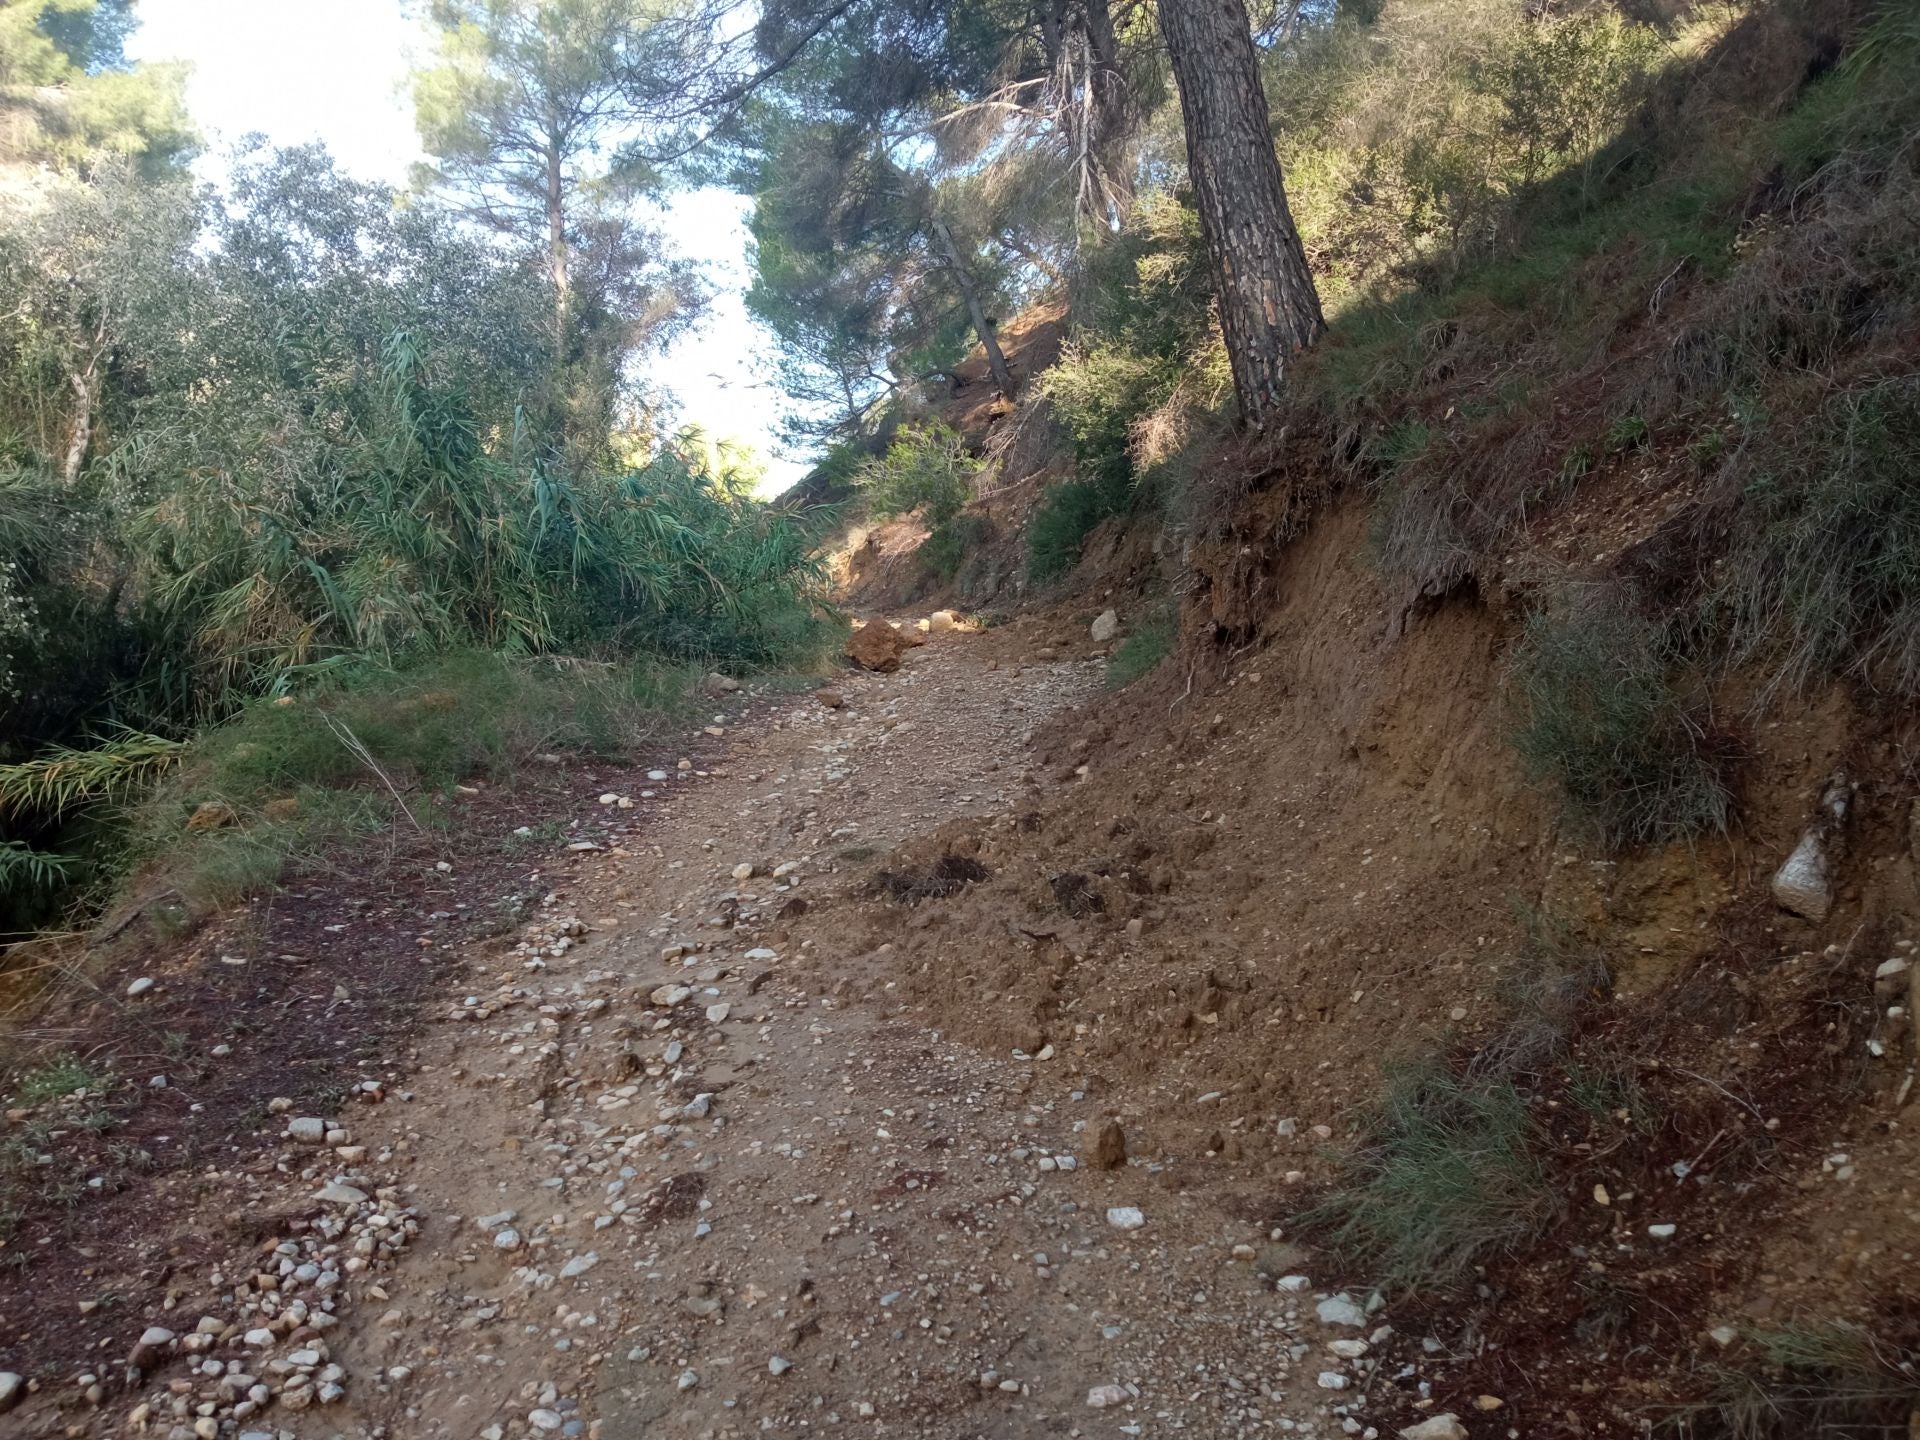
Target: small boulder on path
point(1440, 1427)
point(941, 621)
point(1105, 627)
point(878, 646)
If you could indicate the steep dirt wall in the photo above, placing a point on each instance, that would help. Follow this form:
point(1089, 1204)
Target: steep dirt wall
point(1303, 850)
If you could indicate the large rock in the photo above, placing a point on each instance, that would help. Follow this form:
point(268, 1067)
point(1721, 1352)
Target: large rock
point(717, 684)
point(1105, 627)
point(1804, 882)
point(1440, 1427)
point(941, 621)
point(879, 646)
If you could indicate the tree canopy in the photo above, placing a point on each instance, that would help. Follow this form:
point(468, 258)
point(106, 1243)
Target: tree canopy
point(68, 97)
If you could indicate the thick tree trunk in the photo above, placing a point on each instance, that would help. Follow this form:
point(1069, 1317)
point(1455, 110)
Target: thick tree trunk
point(983, 327)
point(1269, 310)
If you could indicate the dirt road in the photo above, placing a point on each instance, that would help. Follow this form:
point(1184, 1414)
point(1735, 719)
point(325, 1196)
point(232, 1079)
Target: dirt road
point(677, 1161)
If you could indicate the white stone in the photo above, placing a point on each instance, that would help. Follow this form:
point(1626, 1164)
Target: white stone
point(137, 988)
point(1125, 1217)
point(1105, 627)
point(1440, 1427)
point(1102, 1397)
point(1801, 884)
point(1340, 1310)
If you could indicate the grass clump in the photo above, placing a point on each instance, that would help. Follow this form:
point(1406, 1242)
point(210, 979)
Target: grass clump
point(1823, 576)
point(370, 749)
point(1544, 993)
point(1446, 1180)
point(1603, 718)
point(1820, 1381)
point(1150, 642)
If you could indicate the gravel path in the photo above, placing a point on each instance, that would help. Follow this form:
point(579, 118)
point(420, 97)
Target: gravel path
point(670, 1167)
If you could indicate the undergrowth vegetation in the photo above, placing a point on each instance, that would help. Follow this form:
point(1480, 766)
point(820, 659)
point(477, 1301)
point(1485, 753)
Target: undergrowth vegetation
point(1811, 1381)
point(1150, 641)
point(370, 751)
point(352, 463)
point(1446, 1178)
point(1603, 718)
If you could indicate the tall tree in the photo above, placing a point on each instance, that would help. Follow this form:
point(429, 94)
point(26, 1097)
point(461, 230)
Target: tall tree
point(921, 162)
point(1269, 308)
point(533, 133)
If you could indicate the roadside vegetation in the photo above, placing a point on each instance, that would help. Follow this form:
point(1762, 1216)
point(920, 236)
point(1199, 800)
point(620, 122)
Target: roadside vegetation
point(289, 440)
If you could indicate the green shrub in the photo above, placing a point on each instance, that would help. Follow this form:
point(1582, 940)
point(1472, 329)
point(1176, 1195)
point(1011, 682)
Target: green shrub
point(1602, 718)
point(1067, 514)
point(1147, 644)
point(927, 469)
point(945, 548)
point(1098, 391)
point(1823, 573)
point(1445, 1179)
point(55, 1080)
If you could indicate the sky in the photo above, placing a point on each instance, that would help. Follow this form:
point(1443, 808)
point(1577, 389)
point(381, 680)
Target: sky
point(297, 71)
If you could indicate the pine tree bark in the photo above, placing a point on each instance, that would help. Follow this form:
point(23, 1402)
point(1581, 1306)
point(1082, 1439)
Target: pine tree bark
point(1269, 309)
point(976, 312)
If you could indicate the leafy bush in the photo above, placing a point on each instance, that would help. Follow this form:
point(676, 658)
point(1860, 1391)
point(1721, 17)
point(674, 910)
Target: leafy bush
point(1445, 1180)
point(1823, 576)
point(1412, 140)
point(927, 468)
point(1602, 717)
